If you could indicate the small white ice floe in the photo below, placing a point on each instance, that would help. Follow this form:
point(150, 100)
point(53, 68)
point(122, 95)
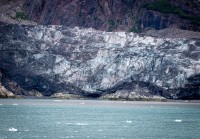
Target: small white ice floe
point(178, 120)
point(15, 104)
point(58, 123)
point(12, 129)
point(57, 100)
point(81, 124)
point(151, 106)
point(129, 122)
point(68, 123)
point(99, 130)
point(82, 103)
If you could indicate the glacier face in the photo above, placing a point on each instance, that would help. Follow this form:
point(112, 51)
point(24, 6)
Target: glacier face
point(52, 59)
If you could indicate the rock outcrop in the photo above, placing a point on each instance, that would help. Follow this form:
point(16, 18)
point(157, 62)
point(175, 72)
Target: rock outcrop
point(11, 12)
point(117, 15)
point(91, 63)
point(4, 93)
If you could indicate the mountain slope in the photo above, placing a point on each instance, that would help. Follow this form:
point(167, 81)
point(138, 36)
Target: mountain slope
point(117, 15)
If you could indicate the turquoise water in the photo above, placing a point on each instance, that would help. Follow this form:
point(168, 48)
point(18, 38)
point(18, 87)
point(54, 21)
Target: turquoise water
point(82, 119)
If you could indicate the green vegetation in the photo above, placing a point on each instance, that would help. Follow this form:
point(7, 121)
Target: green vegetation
point(165, 7)
point(196, 20)
point(134, 29)
point(95, 18)
point(112, 24)
point(162, 6)
point(21, 16)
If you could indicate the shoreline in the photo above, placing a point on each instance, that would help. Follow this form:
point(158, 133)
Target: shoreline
point(165, 101)
point(71, 103)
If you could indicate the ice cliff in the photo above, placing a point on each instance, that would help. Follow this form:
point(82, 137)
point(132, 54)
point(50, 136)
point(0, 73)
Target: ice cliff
point(91, 63)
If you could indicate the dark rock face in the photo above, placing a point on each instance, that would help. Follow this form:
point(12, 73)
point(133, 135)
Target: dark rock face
point(99, 14)
point(111, 15)
point(90, 63)
point(156, 20)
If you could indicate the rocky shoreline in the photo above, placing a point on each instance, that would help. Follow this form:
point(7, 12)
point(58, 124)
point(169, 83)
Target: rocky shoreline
point(78, 98)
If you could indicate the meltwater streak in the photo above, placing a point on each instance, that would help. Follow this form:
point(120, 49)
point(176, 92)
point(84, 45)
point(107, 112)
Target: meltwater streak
point(38, 119)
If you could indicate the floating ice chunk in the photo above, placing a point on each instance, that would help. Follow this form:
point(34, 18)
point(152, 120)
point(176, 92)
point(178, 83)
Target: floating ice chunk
point(68, 123)
point(178, 120)
point(82, 103)
point(151, 106)
point(57, 100)
point(15, 104)
point(129, 122)
point(81, 124)
point(99, 130)
point(26, 130)
point(77, 124)
point(12, 129)
point(58, 123)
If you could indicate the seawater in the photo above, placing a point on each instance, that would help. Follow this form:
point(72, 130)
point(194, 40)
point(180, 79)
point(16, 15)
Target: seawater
point(82, 119)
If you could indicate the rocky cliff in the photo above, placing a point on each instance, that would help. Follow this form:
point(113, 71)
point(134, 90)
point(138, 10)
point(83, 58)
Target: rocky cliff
point(117, 15)
point(90, 63)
